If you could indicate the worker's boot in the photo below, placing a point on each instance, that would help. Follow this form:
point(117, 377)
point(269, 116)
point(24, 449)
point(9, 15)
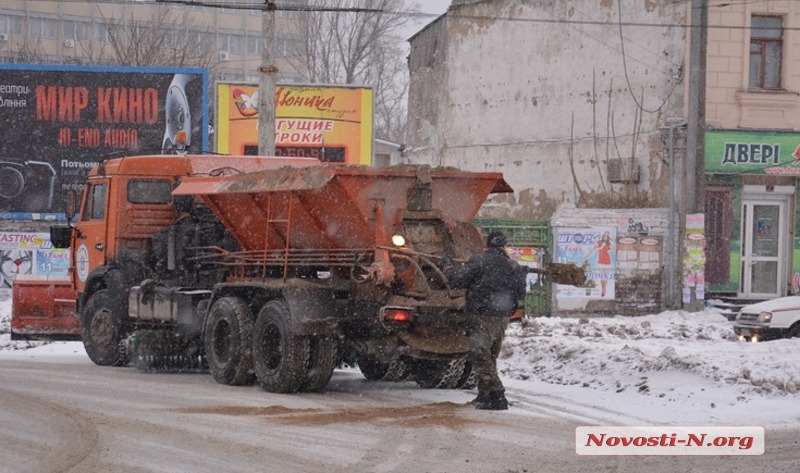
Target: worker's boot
point(481, 398)
point(495, 401)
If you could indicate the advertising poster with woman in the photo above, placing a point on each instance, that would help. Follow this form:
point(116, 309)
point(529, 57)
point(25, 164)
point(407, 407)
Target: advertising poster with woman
point(594, 249)
point(29, 254)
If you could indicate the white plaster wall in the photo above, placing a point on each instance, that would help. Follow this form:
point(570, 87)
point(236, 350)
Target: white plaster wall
point(552, 84)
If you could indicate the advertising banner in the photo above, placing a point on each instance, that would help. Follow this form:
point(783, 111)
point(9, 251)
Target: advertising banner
point(56, 122)
point(752, 152)
point(594, 250)
point(29, 254)
point(694, 259)
point(330, 123)
point(527, 256)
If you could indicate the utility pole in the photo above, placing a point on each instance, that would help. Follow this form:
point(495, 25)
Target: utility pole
point(267, 83)
point(694, 171)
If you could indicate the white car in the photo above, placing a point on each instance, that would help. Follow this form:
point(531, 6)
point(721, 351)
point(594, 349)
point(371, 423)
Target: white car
point(776, 318)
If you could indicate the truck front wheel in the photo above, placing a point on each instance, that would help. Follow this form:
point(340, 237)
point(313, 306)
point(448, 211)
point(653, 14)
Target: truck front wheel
point(280, 357)
point(102, 331)
point(228, 331)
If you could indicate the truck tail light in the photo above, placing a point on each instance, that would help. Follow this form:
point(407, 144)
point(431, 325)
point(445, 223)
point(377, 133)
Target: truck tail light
point(397, 315)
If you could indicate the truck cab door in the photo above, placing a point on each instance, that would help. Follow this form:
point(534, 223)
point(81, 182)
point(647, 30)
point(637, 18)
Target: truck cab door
point(91, 230)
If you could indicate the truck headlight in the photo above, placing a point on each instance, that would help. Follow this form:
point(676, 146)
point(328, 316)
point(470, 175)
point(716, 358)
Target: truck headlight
point(398, 240)
point(765, 317)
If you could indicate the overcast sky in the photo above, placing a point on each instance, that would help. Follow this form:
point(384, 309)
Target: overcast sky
point(432, 7)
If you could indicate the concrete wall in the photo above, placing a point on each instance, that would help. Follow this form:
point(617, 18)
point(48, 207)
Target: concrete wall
point(548, 93)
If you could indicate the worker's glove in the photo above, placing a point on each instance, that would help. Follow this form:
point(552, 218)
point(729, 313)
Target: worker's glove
point(447, 261)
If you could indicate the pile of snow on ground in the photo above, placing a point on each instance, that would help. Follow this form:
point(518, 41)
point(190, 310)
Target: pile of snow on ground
point(5, 331)
point(623, 353)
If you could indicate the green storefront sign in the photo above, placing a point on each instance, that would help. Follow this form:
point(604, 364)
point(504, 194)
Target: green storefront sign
point(747, 152)
point(731, 154)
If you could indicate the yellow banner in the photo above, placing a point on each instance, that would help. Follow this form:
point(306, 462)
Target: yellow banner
point(330, 123)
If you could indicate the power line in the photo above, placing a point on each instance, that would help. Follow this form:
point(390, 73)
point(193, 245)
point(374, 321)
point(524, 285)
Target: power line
point(450, 13)
point(268, 6)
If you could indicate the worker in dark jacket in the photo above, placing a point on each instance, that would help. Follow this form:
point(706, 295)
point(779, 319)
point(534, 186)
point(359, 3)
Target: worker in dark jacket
point(495, 284)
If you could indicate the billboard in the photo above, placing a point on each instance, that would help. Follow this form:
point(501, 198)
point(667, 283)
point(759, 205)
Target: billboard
point(29, 254)
point(57, 121)
point(330, 123)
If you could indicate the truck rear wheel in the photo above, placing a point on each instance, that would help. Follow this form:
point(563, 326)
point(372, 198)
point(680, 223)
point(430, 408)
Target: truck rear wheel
point(102, 331)
point(280, 357)
point(435, 374)
point(468, 380)
point(371, 369)
point(228, 331)
point(322, 361)
point(377, 371)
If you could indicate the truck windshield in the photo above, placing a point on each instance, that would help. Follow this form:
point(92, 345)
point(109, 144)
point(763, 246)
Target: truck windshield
point(149, 192)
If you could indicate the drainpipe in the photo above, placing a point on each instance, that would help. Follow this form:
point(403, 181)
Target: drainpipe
point(673, 263)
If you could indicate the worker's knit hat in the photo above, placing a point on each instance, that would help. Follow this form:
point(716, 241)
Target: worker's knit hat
point(496, 239)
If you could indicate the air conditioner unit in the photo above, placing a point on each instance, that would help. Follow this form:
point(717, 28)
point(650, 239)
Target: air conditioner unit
point(623, 171)
point(224, 56)
point(69, 43)
point(3, 37)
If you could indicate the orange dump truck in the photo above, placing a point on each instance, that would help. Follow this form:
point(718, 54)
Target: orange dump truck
point(263, 269)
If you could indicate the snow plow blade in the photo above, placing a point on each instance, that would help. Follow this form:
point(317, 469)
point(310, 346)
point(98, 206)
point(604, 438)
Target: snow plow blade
point(44, 309)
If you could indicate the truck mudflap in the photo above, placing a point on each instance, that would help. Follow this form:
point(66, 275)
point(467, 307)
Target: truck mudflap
point(44, 309)
point(443, 344)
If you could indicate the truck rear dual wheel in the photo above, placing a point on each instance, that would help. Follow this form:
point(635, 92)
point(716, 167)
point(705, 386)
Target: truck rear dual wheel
point(280, 357)
point(228, 332)
point(377, 371)
point(443, 374)
point(102, 330)
point(323, 357)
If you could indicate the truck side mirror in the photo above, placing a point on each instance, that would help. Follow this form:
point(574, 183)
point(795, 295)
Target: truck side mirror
point(70, 207)
point(60, 236)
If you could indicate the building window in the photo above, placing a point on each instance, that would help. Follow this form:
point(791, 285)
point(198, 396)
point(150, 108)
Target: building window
point(205, 41)
point(766, 52)
point(101, 33)
point(254, 45)
point(10, 24)
point(43, 28)
point(76, 30)
point(231, 43)
point(289, 47)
